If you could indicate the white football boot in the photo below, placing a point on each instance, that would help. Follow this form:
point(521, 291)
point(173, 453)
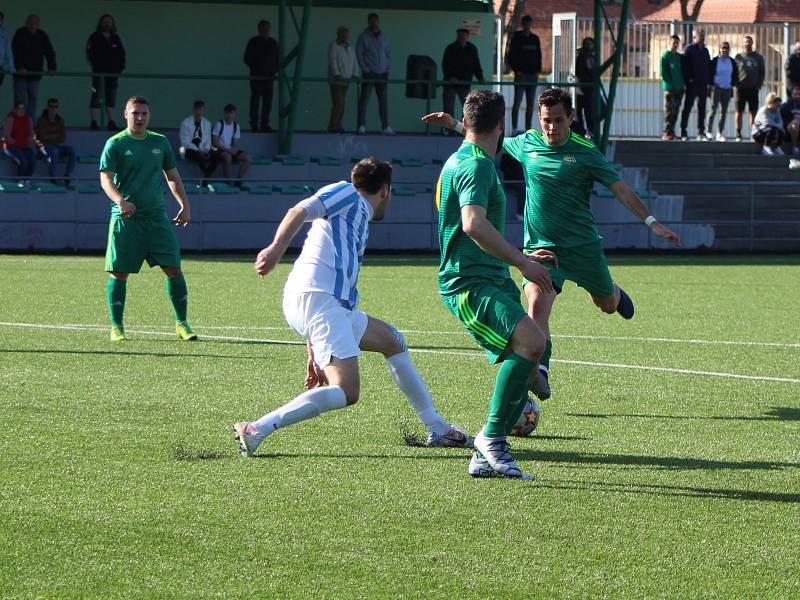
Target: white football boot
point(498, 454)
point(454, 438)
point(247, 437)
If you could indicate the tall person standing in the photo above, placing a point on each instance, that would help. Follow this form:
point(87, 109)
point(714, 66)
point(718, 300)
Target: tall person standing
point(672, 84)
point(261, 56)
point(696, 70)
point(106, 54)
point(751, 74)
point(375, 60)
point(132, 166)
point(524, 57)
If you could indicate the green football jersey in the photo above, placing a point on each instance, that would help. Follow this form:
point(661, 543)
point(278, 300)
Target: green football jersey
point(138, 166)
point(558, 182)
point(468, 177)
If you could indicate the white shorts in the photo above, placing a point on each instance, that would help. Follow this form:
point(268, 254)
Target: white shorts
point(332, 329)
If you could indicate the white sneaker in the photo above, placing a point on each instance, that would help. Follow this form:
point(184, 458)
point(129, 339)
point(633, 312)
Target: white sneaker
point(498, 453)
point(454, 438)
point(361, 130)
point(480, 467)
point(794, 163)
point(709, 136)
point(701, 138)
point(738, 137)
point(720, 137)
point(247, 437)
point(388, 131)
point(767, 151)
point(778, 151)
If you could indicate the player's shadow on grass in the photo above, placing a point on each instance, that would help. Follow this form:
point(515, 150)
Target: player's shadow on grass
point(130, 353)
point(662, 462)
point(672, 490)
point(775, 413)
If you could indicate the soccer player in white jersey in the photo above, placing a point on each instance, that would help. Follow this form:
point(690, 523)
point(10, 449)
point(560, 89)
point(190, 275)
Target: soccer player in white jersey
point(320, 302)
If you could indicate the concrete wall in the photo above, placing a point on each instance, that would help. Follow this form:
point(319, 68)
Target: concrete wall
point(209, 39)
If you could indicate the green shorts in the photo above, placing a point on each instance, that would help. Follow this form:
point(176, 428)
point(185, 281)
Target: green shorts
point(490, 314)
point(132, 241)
point(585, 265)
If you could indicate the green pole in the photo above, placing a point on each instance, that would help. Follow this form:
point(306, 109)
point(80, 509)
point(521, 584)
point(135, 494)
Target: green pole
point(286, 145)
point(597, 82)
point(612, 88)
point(283, 82)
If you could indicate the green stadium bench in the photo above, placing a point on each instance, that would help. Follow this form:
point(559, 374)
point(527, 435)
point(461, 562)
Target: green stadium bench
point(12, 187)
point(86, 188)
point(401, 190)
point(289, 160)
point(284, 188)
point(261, 160)
point(325, 161)
point(46, 187)
point(258, 189)
point(222, 188)
point(89, 159)
point(405, 161)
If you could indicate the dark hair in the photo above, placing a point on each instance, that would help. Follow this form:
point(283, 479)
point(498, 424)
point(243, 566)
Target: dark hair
point(198, 104)
point(49, 100)
point(229, 108)
point(2, 15)
point(372, 16)
point(100, 21)
point(137, 100)
point(370, 175)
point(675, 37)
point(526, 19)
point(748, 37)
point(460, 29)
point(264, 22)
point(483, 110)
point(554, 96)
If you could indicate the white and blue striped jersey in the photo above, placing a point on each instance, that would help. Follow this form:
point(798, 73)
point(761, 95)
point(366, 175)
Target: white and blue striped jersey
point(334, 247)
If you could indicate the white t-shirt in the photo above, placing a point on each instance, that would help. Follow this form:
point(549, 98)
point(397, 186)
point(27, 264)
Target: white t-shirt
point(334, 248)
point(226, 132)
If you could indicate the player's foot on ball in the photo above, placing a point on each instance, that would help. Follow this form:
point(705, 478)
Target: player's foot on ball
point(454, 438)
point(247, 437)
point(498, 453)
point(185, 332)
point(117, 334)
point(541, 385)
point(480, 467)
point(625, 305)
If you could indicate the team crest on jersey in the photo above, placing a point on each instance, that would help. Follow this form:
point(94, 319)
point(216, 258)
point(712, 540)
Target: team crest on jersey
point(570, 159)
point(128, 153)
point(156, 150)
point(534, 155)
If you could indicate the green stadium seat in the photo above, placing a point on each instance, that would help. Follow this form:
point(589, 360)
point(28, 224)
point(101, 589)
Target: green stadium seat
point(401, 190)
point(223, 188)
point(355, 159)
point(284, 188)
point(85, 187)
point(261, 160)
point(12, 187)
point(258, 189)
point(325, 161)
point(46, 187)
point(405, 161)
point(88, 159)
point(289, 160)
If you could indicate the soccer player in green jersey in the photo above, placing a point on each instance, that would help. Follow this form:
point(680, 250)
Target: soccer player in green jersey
point(131, 170)
point(560, 169)
point(475, 283)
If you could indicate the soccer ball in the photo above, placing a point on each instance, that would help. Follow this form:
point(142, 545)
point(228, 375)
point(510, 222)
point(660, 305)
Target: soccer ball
point(528, 420)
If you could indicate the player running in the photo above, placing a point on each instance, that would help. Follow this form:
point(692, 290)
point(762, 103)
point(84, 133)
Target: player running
point(475, 283)
point(560, 169)
point(320, 302)
point(131, 169)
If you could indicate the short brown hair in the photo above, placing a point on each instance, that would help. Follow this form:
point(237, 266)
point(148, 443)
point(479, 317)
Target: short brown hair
point(137, 100)
point(370, 175)
point(483, 110)
point(554, 96)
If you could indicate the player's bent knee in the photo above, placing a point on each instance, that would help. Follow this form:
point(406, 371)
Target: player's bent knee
point(528, 340)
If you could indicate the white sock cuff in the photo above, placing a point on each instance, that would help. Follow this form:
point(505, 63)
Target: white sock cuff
point(327, 398)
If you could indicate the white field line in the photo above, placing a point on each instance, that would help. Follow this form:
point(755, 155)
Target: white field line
point(659, 340)
point(468, 353)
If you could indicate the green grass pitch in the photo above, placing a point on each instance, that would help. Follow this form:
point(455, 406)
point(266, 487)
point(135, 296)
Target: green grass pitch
point(667, 462)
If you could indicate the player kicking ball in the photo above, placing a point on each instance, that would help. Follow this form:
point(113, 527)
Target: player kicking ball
point(320, 303)
point(475, 283)
point(560, 169)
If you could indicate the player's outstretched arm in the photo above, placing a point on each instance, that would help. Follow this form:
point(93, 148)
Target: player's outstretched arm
point(442, 119)
point(126, 208)
point(480, 229)
point(633, 203)
point(269, 257)
point(175, 184)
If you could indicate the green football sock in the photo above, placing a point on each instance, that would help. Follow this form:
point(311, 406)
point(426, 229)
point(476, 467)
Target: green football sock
point(510, 386)
point(115, 297)
point(544, 361)
point(179, 295)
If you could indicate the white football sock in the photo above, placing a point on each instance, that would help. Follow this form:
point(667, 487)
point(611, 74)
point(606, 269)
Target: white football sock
point(307, 405)
point(410, 382)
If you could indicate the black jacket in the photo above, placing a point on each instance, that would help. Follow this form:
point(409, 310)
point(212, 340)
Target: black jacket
point(792, 69)
point(584, 69)
point(696, 65)
point(712, 71)
point(461, 62)
point(261, 55)
point(30, 51)
point(106, 55)
point(524, 53)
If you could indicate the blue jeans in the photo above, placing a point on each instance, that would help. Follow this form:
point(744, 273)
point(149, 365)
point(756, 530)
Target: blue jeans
point(54, 152)
point(26, 92)
point(24, 158)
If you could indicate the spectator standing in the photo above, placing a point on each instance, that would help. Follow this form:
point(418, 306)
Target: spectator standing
point(673, 86)
point(524, 57)
point(768, 127)
point(31, 46)
point(261, 56)
point(225, 138)
point(723, 77)
point(375, 61)
point(790, 116)
point(342, 68)
point(6, 53)
point(460, 64)
point(18, 142)
point(751, 72)
point(696, 69)
point(584, 72)
point(793, 69)
point(51, 134)
point(106, 54)
point(195, 136)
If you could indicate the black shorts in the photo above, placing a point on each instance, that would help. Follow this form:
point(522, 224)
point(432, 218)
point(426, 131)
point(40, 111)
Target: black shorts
point(745, 96)
point(110, 89)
